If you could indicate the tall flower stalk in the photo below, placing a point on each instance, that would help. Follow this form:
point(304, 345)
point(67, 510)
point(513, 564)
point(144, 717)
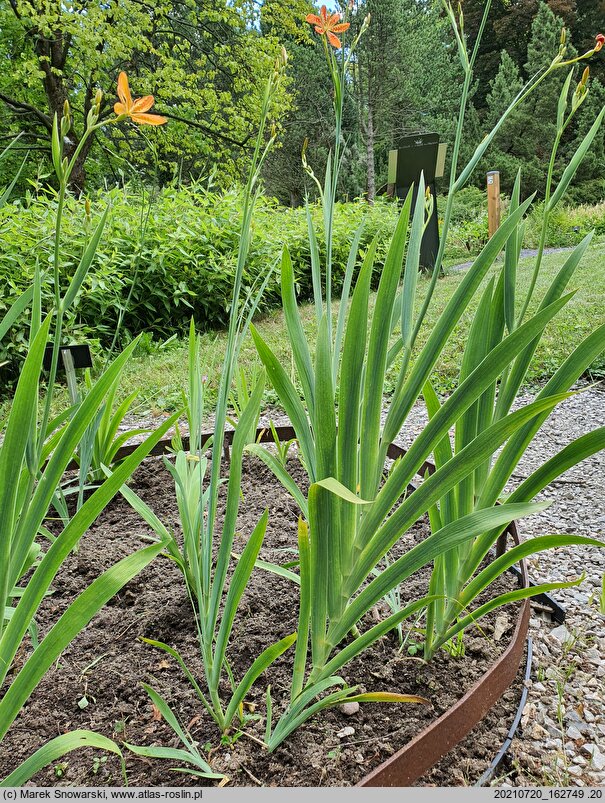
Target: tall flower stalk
point(458, 181)
point(125, 108)
point(327, 26)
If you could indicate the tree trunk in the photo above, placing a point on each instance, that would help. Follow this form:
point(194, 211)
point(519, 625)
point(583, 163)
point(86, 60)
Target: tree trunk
point(371, 187)
point(77, 180)
point(52, 54)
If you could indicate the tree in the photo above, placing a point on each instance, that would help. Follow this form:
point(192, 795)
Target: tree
point(204, 60)
point(526, 139)
point(406, 83)
point(310, 121)
point(503, 153)
point(509, 27)
point(590, 20)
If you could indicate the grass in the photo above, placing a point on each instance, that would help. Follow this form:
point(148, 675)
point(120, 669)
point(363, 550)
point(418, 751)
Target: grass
point(161, 374)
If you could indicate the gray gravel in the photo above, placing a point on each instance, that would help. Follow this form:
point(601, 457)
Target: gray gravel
point(526, 253)
point(563, 736)
point(561, 740)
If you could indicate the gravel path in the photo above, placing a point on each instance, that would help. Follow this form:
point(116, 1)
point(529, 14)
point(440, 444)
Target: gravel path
point(526, 253)
point(563, 737)
point(561, 740)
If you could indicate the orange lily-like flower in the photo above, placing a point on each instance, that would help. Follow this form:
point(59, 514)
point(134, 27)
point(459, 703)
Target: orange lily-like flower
point(328, 25)
point(135, 109)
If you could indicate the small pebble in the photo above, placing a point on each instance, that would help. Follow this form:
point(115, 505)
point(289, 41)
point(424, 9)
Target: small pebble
point(561, 634)
point(350, 709)
point(347, 731)
point(573, 733)
point(597, 759)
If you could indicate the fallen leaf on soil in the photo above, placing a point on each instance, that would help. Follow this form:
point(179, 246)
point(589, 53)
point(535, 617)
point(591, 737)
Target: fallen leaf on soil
point(157, 715)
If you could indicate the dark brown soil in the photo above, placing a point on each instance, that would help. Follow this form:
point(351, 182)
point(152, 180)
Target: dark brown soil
point(97, 682)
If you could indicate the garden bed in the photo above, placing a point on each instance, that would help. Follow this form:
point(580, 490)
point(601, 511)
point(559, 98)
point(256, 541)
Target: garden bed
point(97, 682)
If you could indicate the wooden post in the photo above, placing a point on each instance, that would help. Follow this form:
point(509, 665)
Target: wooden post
point(493, 201)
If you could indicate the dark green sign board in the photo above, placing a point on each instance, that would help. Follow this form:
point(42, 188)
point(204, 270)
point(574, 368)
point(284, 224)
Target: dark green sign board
point(80, 355)
point(417, 155)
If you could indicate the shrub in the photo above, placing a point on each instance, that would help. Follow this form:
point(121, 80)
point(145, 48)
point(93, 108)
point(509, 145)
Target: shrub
point(166, 259)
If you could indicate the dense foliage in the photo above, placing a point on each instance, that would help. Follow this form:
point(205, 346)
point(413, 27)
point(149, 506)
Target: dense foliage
point(171, 256)
point(206, 63)
point(165, 259)
point(405, 82)
point(209, 255)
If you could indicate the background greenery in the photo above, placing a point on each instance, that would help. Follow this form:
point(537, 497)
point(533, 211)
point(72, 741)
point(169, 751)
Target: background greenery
point(168, 257)
point(168, 253)
point(165, 258)
point(206, 61)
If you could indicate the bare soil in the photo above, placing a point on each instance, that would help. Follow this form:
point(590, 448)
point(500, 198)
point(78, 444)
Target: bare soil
point(97, 683)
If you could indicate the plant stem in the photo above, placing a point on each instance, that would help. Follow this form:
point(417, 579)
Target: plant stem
point(59, 322)
point(544, 231)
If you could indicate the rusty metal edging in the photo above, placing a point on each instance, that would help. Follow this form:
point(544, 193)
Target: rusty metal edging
point(430, 745)
point(264, 435)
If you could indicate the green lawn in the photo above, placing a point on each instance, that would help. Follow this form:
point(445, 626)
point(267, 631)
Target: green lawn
point(161, 375)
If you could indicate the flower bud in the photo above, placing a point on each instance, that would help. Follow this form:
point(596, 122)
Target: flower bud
point(87, 208)
point(563, 36)
point(303, 154)
point(98, 98)
point(284, 56)
point(599, 42)
point(429, 203)
point(65, 119)
point(579, 96)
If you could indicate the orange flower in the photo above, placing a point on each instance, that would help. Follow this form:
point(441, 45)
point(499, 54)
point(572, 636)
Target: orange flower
point(328, 25)
point(600, 41)
point(135, 109)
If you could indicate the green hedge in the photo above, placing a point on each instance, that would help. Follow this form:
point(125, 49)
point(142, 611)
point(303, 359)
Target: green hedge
point(185, 263)
point(186, 259)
